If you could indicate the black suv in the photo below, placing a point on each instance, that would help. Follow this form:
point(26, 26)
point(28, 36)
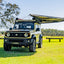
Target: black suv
point(24, 33)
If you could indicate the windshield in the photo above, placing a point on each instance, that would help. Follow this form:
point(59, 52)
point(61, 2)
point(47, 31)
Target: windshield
point(24, 25)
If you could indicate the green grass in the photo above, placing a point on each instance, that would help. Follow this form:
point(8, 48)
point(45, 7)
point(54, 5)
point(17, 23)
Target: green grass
point(50, 53)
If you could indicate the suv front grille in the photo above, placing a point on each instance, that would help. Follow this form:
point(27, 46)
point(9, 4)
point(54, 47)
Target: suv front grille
point(17, 34)
point(15, 40)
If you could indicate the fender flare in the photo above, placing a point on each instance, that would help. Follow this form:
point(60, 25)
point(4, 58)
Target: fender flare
point(33, 37)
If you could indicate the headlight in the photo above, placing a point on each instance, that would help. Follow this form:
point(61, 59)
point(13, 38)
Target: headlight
point(26, 35)
point(8, 34)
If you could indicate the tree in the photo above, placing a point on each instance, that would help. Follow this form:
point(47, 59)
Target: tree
point(0, 1)
point(8, 12)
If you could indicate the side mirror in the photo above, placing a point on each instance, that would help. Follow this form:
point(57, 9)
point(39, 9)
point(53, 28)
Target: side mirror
point(37, 29)
point(10, 29)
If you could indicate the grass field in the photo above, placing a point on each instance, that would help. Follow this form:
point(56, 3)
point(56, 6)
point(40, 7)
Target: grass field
point(50, 53)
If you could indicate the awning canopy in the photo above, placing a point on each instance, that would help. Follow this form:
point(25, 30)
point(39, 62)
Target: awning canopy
point(46, 19)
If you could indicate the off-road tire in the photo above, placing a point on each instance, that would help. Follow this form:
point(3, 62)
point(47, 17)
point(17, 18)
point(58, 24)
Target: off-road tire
point(40, 44)
point(32, 47)
point(7, 47)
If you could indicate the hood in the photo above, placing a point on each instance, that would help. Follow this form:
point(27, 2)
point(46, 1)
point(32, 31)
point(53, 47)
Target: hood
point(26, 30)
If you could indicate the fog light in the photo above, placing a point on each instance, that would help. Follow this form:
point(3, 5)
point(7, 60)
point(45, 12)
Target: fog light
point(6, 40)
point(28, 40)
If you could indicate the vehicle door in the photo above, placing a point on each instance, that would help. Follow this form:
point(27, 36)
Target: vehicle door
point(37, 31)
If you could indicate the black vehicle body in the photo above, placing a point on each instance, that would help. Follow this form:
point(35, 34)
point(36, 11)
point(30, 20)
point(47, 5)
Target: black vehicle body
point(24, 33)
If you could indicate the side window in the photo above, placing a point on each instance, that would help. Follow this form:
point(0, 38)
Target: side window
point(37, 27)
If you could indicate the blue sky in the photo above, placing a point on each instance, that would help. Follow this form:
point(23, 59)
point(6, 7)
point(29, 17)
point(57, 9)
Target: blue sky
point(41, 7)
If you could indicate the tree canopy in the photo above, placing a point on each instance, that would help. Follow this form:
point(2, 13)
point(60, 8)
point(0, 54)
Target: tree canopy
point(8, 12)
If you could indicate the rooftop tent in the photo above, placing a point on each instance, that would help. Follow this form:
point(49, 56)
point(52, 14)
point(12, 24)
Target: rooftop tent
point(46, 19)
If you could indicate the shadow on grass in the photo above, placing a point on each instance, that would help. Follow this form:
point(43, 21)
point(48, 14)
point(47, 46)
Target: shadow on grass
point(15, 52)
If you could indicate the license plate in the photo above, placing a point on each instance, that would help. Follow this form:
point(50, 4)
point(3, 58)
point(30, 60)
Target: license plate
point(15, 43)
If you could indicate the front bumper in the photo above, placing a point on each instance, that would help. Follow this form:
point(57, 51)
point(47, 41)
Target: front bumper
point(17, 41)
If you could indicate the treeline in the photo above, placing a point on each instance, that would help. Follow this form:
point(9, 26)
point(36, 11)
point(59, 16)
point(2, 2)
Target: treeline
point(52, 32)
point(46, 32)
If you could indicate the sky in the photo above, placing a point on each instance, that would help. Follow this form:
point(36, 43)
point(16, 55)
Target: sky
point(41, 7)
